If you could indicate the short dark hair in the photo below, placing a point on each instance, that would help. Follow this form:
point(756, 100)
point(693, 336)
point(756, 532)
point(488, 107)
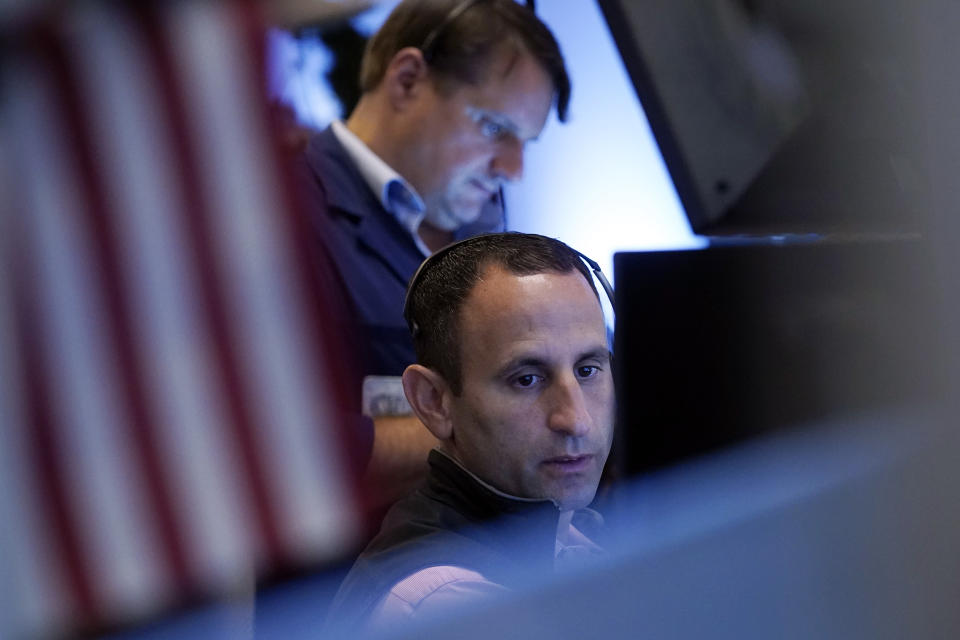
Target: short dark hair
point(439, 289)
point(463, 36)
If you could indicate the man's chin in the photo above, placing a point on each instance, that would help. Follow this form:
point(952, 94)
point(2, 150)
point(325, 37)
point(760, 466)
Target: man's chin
point(452, 218)
point(574, 500)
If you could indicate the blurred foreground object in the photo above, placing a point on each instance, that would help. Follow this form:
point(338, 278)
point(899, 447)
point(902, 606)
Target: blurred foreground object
point(168, 425)
point(846, 529)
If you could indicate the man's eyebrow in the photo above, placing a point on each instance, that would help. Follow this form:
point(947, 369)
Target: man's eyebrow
point(520, 362)
point(598, 353)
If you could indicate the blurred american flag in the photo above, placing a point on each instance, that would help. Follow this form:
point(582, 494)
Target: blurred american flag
point(168, 412)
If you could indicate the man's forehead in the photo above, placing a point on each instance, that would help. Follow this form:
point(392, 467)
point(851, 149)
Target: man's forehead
point(549, 318)
point(499, 289)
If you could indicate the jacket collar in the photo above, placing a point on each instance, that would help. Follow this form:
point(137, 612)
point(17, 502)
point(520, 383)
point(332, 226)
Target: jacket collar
point(451, 483)
point(348, 196)
point(343, 183)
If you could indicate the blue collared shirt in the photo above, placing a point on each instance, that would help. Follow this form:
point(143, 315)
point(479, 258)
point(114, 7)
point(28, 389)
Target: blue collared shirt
point(396, 195)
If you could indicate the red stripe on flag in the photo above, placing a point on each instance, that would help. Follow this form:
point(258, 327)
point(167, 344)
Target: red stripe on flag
point(220, 328)
point(134, 395)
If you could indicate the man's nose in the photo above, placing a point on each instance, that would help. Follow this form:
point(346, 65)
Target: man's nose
point(507, 163)
point(568, 409)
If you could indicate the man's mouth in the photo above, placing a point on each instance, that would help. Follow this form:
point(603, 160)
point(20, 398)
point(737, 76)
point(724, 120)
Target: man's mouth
point(569, 464)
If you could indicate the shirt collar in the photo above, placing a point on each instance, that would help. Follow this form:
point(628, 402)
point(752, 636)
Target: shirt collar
point(396, 195)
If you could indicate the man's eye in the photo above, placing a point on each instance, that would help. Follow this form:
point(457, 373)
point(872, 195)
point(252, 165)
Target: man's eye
point(587, 371)
point(491, 129)
point(527, 380)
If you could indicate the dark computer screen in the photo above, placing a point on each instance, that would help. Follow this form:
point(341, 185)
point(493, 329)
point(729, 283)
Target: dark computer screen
point(719, 345)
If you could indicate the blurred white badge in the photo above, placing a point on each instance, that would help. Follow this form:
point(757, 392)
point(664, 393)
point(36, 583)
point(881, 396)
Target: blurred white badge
point(383, 396)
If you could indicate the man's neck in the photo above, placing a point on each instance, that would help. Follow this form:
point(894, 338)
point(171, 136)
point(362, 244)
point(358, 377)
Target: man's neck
point(433, 237)
point(367, 124)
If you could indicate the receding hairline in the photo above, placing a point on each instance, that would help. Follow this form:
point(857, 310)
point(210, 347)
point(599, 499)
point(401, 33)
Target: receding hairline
point(492, 264)
point(442, 285)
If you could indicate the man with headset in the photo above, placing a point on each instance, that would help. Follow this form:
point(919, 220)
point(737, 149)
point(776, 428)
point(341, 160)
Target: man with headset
point(452, 92)
point(513, 378)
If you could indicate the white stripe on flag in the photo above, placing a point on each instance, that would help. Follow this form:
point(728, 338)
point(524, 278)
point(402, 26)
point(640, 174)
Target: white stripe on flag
point(103, 483)
point(35, 595)
point(317, 515)
point(199, 455)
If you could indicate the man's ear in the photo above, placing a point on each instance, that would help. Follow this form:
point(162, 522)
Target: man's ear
point(404, 76)
point(427, 391)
